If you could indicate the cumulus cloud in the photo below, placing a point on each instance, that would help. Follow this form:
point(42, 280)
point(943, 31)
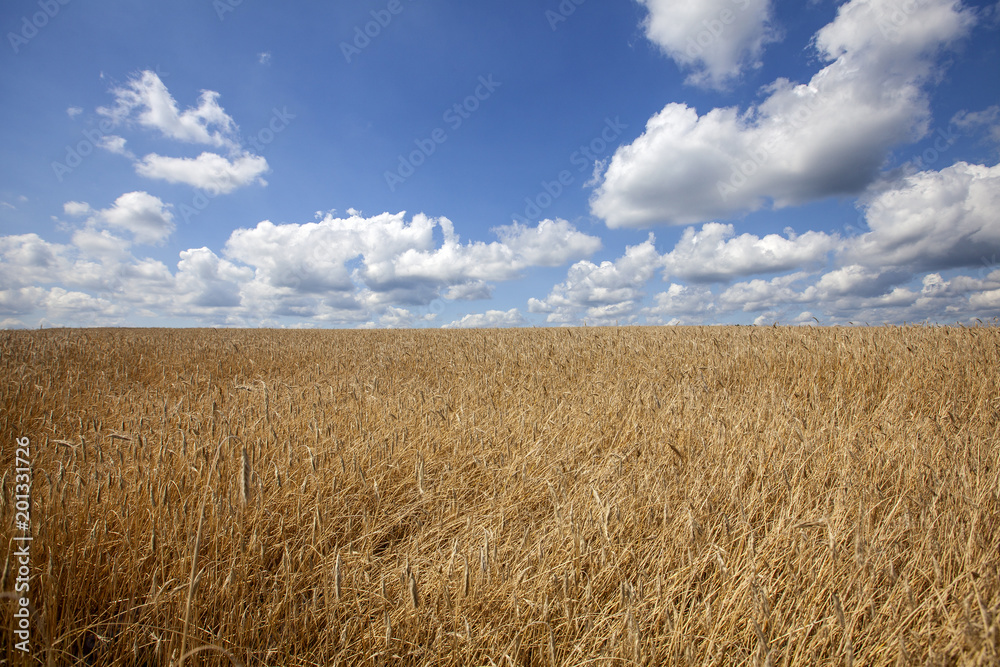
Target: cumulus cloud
point(146, 100)
point(716, 254)
point(390, 260)
point(933, 220)
point(76, 208)
point(115, 144)
point(602, 293)
point(206, 281)
point(29, 260)
point(146, 217)
point(209, 171)
point(550, 243)
point(717, 39)
point(489, 319)
point(803, 141)
point(680, 304)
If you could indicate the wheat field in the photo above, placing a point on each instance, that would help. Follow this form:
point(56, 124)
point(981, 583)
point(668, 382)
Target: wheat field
point(619, 496)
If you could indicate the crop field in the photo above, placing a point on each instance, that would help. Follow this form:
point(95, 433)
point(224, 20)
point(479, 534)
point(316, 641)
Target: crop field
point(620, 496)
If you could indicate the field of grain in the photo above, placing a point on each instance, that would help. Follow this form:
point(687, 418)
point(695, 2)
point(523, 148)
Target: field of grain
point(632, 496)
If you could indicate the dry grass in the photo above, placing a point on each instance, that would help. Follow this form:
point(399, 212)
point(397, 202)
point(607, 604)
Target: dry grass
point(537, 497)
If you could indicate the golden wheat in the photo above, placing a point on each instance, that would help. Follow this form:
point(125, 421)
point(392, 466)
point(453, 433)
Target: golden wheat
point(731, 495)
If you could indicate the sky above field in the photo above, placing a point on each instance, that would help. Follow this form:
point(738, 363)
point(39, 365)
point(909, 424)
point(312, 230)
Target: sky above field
point(428, 163)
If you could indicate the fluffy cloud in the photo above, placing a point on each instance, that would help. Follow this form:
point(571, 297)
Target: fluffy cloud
point(29, 260)
point(803, 142)
point(716, 254)
point(208, 282)
point(551, 243)
point(757, 294)
point(208, 171)
point(680, 304)
point(146, 100)
point(715, 38)
point(491, 318)
point(602, 293)
point(934, 220)
point(146, 217)
point(392, 261)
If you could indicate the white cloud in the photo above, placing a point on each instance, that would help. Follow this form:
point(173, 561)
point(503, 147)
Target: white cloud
point(80, 307)
point(757, 294)
point(856, 280)
point(354, 263)
point(76, 208)
point(209, 171)
point(146, 94)
point(73, 112)
point(470, 291)
point(208, 282)
point(20, 300)
point(147, 218)
point(680, 304)
point(601, 293)
point(716, 254)
point(718, 39)
point(30, 260)
point(803, 142)
point(933, 220)
point(115, 144)
point(264, 58)
point(490, 319)
point(987, 302)
point(550, 243)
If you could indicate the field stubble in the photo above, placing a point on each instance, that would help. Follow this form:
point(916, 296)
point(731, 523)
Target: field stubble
point(646, 496)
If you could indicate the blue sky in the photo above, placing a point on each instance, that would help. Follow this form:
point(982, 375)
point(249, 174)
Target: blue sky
point(428, 163)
